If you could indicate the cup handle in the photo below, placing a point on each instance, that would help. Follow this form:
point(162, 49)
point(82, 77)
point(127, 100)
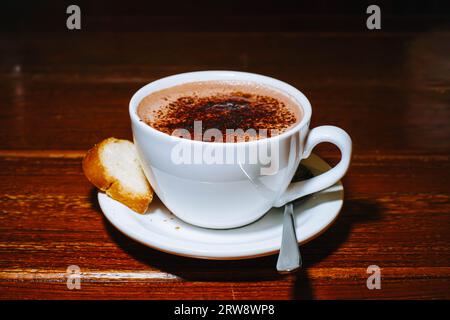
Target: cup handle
point(336, 136)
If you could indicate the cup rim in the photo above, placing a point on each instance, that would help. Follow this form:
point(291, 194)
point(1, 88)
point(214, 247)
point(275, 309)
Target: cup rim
point(218, 75)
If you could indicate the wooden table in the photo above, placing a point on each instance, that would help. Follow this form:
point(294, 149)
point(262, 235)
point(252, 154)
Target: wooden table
point(61, 92)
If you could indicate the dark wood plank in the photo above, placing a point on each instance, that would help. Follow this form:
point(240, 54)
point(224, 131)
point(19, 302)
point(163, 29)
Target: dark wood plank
point(77, 87)
point(61, 92)
point(48, 226)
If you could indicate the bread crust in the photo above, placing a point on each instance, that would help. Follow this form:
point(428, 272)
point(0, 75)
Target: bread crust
point(97, 174)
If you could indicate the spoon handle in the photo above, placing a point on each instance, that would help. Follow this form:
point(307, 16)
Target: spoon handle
point(289, 258)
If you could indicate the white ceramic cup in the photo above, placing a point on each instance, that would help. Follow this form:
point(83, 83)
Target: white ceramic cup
point(228, 195)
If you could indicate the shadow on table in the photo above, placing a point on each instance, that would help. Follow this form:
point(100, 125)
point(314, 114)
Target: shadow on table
point(352, 213)
point(258, 269)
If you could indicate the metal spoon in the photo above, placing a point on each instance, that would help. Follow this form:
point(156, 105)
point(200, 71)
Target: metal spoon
point(289, 258)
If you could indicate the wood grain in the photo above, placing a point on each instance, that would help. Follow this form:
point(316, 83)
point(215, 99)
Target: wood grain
point(93, 81)
point(63, 92)
point(48, 226)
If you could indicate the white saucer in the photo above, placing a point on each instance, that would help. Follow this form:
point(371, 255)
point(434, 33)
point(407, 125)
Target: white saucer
point(161, 230)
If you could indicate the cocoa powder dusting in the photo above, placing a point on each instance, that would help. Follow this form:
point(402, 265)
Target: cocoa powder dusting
point(235, 110)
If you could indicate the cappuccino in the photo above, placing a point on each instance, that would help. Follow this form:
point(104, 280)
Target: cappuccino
point(239, 111)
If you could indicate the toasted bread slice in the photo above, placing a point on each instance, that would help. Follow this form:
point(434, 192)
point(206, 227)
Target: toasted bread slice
point(113, 166)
